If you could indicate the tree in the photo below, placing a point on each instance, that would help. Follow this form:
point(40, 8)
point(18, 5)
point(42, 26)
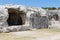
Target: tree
point(49, 8)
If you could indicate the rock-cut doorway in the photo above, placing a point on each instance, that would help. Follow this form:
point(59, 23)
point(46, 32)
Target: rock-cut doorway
point(14, 17)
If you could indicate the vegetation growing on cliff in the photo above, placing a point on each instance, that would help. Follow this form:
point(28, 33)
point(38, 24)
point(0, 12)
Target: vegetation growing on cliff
point(51, 8)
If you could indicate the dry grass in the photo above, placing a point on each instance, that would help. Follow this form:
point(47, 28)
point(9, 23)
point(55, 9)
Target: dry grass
point(29, 35)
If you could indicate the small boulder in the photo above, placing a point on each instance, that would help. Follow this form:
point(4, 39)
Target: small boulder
point(5, 30)
point(1, 30)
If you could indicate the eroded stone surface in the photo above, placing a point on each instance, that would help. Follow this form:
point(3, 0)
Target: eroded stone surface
point(32, 18)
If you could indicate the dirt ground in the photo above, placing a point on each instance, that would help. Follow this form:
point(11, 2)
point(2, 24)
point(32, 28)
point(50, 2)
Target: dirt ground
point(40, 34)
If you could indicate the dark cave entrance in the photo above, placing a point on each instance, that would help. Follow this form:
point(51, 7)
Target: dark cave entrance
point(54, 16)
point(14, 17)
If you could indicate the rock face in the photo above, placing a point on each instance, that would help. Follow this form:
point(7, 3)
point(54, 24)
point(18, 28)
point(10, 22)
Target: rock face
point(18, 17)
point(54, 18)
point(3, 18)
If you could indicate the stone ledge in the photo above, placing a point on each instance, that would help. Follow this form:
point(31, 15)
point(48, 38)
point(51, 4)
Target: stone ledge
point(13, 29)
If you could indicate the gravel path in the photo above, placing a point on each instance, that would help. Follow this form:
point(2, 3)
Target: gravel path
point(53, 37)
point(38, 35)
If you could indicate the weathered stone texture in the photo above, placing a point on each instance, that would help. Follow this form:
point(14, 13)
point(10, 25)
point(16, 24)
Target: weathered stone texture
point(31, 18)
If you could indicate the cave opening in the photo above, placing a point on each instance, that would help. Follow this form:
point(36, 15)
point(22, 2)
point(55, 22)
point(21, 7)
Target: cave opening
point(15, 17)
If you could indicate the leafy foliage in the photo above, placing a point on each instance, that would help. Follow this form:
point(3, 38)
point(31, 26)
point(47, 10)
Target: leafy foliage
point(49, 8)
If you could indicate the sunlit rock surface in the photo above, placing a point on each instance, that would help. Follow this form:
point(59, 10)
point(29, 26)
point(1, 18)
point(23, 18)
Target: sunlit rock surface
point(18, 17)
